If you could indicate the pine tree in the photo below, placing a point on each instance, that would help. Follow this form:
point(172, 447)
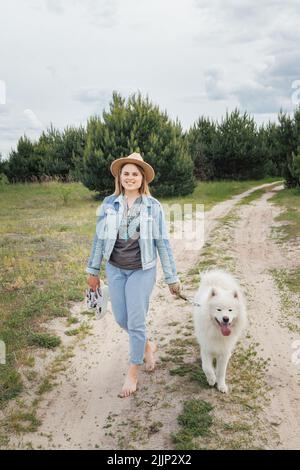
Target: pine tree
point(137, 126)
point(200, 139)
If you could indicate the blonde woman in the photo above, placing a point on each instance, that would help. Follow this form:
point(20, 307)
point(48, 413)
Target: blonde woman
point(130, 231)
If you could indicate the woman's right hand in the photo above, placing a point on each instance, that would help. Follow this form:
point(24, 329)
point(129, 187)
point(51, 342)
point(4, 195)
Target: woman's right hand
point(93, 282)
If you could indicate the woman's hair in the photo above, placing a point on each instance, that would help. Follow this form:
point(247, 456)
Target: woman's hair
point(144, 189)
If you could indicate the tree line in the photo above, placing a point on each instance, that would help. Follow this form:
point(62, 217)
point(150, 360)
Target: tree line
point(234, 148)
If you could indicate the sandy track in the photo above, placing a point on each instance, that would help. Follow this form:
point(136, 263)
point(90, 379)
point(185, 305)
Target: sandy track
point(255, 254)
point(74, 413)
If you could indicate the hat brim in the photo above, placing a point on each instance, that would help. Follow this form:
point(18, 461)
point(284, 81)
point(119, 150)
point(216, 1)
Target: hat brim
point(117, 164)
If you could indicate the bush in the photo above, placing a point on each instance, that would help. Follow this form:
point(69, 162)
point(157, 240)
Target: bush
point(3, 180)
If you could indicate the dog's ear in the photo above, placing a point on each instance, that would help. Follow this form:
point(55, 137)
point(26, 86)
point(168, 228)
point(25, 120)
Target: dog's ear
point(235, 294)
point(213, 292)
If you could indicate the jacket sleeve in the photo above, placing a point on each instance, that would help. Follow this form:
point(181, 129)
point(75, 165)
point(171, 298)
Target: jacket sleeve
point(165, 251)
point(96, 255)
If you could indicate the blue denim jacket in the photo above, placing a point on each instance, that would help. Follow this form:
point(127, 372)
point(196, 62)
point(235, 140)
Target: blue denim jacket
point(153, 235)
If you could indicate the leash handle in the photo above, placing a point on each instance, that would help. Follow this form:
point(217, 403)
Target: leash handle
point(181, 296)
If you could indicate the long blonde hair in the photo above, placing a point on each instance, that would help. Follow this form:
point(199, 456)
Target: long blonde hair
point(144, 189)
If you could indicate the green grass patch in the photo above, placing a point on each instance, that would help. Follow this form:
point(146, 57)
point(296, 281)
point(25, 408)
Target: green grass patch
point(44, 340)
point(72, 320)
point(289, 200)
point(46, 234)
point(46, 386)
point(10, 383)
point(256, 194)
point(22, 422)
point(291, 279)
point(193, 371)
point(210, 193)
point(82, 330)
point(252, 197)
point(195, 420)
point(288, 283)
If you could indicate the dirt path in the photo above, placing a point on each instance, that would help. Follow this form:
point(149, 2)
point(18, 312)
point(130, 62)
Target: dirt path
point(255, 254)
point(74, 414)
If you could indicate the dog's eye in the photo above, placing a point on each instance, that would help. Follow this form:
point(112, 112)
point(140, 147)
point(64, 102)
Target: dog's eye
point(219, 309)
point(230, 310)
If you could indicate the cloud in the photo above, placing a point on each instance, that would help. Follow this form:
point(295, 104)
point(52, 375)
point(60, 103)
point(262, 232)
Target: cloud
point(93, 95)
point(52, 70)
point(232, 21)
point(215, 84)
point(14, 123)
point(269, 89)
point(98, 12)
point(272, 88)
point(33, 120)
point(55, 6)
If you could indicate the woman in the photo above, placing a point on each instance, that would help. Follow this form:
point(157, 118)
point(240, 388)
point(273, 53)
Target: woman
point(130, 230)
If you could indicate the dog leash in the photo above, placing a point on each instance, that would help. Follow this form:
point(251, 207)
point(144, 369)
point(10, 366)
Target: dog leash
point(188, 299)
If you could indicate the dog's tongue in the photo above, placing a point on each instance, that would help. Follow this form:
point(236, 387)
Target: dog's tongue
point(225, 329)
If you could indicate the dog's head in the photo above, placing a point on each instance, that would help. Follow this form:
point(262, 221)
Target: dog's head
point(224, 309)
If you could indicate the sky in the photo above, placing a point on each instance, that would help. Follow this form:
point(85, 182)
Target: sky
point(60, 60)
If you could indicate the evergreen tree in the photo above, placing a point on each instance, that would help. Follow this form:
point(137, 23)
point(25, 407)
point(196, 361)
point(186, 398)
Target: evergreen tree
point(24, 164)
point(137, 126)
point(200, 144)
point(236, 152)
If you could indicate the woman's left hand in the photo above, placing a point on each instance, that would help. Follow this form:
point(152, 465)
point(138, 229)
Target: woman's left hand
point(175, 288)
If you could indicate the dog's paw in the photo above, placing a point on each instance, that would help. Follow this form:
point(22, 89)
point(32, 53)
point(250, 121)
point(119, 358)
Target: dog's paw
point(211, 379)
point(223, 388)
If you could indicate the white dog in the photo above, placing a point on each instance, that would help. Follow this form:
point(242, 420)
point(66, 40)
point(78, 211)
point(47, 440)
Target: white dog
point(219, 320)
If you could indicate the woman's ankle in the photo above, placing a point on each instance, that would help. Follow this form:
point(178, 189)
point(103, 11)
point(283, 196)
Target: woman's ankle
point(133, 369)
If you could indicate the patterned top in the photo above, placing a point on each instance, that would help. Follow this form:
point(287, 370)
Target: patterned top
point(126, 253)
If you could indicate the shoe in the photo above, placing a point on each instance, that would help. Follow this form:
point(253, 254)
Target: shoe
point(98, 300)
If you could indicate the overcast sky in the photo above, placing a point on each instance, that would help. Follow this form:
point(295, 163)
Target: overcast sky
point(60, 60)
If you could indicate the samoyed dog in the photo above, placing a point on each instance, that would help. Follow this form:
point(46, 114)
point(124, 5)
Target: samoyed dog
point(219, 319)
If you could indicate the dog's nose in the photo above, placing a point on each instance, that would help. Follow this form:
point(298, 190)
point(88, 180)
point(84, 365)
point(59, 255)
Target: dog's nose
point(225, 319)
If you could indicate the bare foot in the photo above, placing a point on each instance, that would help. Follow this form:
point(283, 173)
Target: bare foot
point(150, 349)
point(130, 384)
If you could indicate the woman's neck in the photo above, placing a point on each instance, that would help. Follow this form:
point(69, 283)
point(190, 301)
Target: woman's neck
point(132, 194)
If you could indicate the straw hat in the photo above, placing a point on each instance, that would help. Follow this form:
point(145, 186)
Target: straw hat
point(137, 159)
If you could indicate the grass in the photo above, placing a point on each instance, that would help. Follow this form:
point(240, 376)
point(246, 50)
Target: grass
point(46, 234)
point(252, 197)
point(214, 253)
point(44, 340)
point(291, 279)
point(288, 280)
point(256, 195)
point(22, 422)
point(82, 330)
point(289, 201)
point(236, 423)
point(207, 419)
point(210, 193)
point(195, 421)
point(288, 283)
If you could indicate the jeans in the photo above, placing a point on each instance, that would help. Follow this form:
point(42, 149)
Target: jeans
point(129, 291)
